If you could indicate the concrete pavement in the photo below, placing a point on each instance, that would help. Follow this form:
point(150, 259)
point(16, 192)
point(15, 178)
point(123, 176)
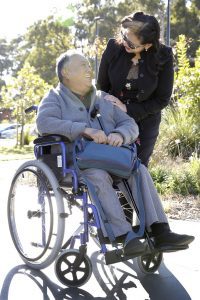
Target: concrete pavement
point(176, 279)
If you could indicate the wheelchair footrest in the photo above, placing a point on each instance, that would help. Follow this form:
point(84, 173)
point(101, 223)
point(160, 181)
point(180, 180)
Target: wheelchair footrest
point(117, 255)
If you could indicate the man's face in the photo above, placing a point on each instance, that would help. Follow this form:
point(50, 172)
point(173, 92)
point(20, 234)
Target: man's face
point(79, 74)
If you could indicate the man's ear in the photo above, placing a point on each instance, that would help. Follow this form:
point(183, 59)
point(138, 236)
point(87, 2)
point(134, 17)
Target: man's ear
point(65, 73)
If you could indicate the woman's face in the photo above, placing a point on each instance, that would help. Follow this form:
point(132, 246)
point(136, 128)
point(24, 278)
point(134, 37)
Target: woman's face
point(131, 42)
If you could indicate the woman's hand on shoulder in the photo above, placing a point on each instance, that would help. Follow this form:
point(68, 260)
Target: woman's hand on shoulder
point(115, 101)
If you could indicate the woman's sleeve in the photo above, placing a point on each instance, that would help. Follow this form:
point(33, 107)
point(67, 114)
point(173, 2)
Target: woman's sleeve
point(160, 97)
point(103, 82)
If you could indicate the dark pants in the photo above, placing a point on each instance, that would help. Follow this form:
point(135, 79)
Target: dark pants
point(148, 133)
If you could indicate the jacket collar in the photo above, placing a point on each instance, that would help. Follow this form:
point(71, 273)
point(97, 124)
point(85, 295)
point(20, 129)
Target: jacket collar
point(66, 93)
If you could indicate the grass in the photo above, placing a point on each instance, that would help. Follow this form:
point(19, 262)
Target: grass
point(15, 153)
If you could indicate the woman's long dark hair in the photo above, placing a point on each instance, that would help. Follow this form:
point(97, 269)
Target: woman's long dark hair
point(148, 32)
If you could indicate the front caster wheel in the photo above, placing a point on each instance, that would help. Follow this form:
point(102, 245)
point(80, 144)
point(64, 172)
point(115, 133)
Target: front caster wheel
point(149, 263)
point(72, 268)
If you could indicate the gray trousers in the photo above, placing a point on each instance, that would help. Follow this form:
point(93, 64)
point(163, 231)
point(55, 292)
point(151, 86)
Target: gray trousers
point(107, 195)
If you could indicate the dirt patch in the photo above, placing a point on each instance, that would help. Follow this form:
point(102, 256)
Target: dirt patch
point(182, 208)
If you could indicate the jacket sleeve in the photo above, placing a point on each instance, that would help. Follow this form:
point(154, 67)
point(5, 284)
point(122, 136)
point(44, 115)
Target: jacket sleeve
point(125, 125)
point(49, 120)
point(160, 98)
point(103, 82)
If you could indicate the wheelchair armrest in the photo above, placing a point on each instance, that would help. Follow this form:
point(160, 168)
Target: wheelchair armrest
point(51, 139)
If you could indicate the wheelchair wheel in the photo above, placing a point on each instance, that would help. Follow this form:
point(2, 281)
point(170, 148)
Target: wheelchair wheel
point(72, 269)
point(149, 263)
point(128, 210)
point(34, 214)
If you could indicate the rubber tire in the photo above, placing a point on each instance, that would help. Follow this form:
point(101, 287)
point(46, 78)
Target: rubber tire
point(60, 209)
point(58, 263)
point(140, 265)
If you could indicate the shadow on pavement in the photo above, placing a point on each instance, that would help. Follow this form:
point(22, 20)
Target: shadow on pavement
point(116, 281)
point(43, 283)
point(161, 285)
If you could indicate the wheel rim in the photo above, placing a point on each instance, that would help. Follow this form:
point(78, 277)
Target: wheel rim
point(39, 216)
point(72, 272)
point(151, 262)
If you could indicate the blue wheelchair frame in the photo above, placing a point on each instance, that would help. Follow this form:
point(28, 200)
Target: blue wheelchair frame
point(112, 256)
point(40, 143)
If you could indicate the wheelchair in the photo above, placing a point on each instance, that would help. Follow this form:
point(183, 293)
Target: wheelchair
point(46, 201)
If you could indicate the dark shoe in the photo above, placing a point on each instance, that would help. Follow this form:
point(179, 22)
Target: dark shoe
point(133, 245)
point(173, 240)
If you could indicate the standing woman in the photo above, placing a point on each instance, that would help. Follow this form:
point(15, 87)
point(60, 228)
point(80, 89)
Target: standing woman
point(137, 71)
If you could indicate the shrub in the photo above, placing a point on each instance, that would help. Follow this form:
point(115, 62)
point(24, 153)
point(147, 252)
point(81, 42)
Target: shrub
point(180, 127)
point(177, 177)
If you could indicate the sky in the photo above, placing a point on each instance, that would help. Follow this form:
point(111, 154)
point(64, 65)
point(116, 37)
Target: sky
point(17, 15)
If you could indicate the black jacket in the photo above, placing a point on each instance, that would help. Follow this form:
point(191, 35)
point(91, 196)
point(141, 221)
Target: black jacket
point(155, 88)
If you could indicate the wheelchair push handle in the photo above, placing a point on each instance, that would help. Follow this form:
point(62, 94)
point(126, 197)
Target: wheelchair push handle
point(31, 109)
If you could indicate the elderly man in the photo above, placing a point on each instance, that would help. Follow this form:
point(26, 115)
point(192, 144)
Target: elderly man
point(66, 110)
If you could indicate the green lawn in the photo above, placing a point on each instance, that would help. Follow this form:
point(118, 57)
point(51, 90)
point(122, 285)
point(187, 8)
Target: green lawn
point(13, 153)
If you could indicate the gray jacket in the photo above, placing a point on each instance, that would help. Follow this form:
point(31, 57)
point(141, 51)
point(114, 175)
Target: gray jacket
point(62, 112)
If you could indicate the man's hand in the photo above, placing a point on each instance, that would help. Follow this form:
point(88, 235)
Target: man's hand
point(98, 136)
point(115, 139)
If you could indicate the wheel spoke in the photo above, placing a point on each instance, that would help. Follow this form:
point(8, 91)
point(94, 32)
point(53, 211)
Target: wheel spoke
point(67, 262)
point(154, 260)
point(74, 275)
point(148, 263)
point(64, 272)
point(81, 269)
point(76, 262)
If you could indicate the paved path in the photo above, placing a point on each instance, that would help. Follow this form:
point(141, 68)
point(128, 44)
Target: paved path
point(177, 278)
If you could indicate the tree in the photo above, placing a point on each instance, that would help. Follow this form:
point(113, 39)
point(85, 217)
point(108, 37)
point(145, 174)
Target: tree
point(185, 20)
point(5, 59)
point(43, 42)
point(92, 34)
point(85, 23)
point(46, 40)
point(112, 12)
point(25, 90)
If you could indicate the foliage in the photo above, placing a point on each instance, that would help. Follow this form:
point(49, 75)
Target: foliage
point(95, 51)
point(180, 128)
point(194, 169)
point(5, 60)
point(45, 41)
point(183, 179)
point(179, 135)
point(14, 153)
point(86, 25)
point(111, 12)
point(185, 20)
point(187, 88)
point(25, 90)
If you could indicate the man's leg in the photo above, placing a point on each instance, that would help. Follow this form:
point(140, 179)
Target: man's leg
point(102, 182)
point(152, 205)
point(155, 217)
